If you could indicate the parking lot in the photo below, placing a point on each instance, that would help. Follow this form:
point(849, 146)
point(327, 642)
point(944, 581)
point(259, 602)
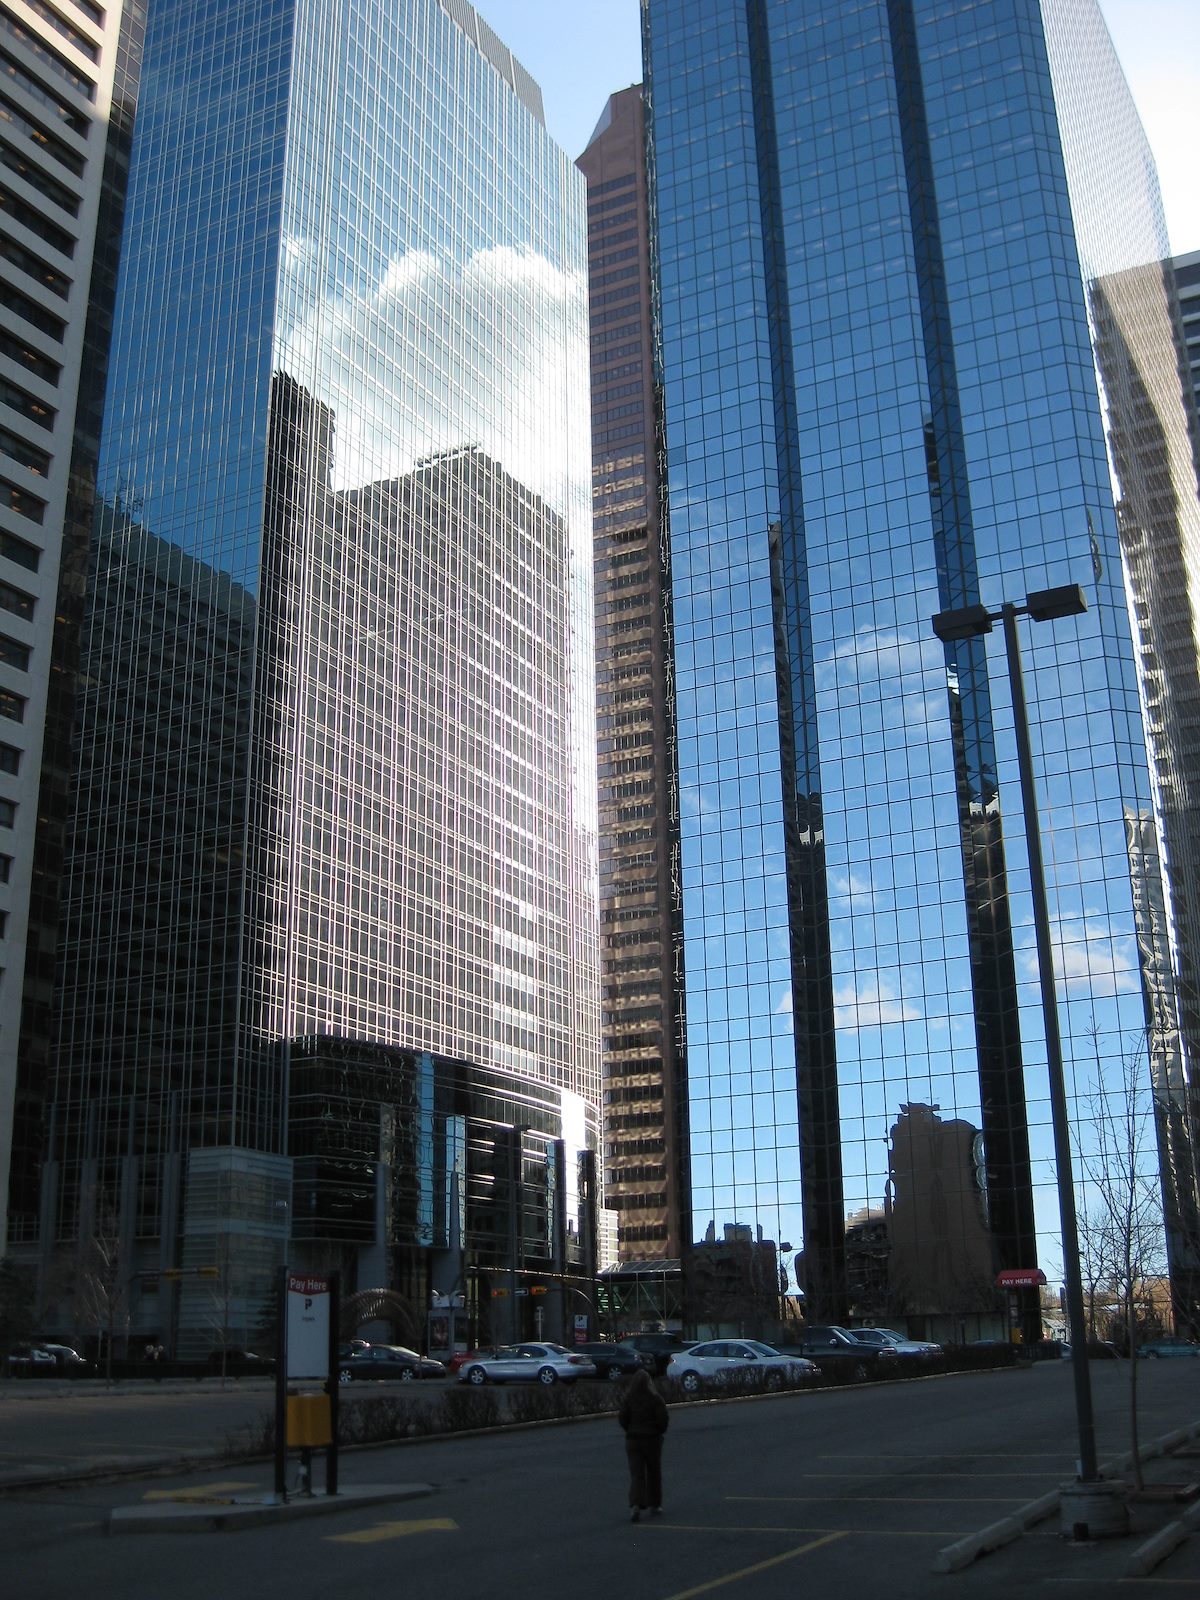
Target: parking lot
point(822, 1492)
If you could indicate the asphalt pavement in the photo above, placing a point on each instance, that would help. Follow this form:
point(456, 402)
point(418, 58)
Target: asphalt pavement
point(952, 1481)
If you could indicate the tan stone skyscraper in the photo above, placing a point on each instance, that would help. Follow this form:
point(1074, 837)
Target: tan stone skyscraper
point(644, 1107)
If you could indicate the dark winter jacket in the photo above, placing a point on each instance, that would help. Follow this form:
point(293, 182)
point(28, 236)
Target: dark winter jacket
point(643, 1413)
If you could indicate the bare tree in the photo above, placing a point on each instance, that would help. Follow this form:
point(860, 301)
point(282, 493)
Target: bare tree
point(100, 1281)
point(1125, 1206)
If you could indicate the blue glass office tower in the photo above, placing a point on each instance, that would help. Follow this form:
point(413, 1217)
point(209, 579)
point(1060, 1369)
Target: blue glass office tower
point(331, 875)
point(881, 402)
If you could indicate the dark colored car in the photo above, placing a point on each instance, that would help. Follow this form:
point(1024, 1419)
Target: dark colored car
point(31, 1361)
point(840, 1355)
point(235, 1361)
point(384, 1361)
point(612, 1361)
point(656, 1348)
point(1153, 1349)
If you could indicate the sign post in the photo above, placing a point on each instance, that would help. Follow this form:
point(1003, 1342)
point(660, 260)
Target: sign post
point(306, 1417)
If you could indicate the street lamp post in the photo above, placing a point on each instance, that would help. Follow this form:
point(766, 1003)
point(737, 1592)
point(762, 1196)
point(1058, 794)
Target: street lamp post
point(971, 622)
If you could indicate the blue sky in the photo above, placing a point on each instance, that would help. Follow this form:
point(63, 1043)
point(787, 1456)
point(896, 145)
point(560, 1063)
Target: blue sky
point(581, 51)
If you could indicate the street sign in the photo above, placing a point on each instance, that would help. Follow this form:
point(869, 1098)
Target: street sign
point(307, 1327)
point(1020, 1278)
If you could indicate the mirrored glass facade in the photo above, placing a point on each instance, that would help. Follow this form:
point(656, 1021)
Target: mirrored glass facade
point(336, 741)
point(881, 402)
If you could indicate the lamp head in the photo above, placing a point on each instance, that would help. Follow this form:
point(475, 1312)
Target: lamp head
point(1044, 605)
point(966, 622)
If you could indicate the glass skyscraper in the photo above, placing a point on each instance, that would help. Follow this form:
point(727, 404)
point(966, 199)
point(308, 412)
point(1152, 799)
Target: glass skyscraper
point(335, 800)
point(873, 223)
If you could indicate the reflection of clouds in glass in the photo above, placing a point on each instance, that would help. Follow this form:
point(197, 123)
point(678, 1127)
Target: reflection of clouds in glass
point(434, 356)
point(1089, 958)
point(869, 1003)
point(888, 657)
point(851, 892)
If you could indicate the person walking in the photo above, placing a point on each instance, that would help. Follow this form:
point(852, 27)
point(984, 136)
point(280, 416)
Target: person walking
point(643, 1418)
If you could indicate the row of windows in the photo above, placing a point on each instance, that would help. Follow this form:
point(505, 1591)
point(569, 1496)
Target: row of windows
point(48, 57)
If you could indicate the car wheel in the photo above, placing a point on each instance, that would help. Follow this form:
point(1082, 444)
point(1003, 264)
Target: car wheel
point(1152, 1355)
point(343, 1376)
point(477, 1376)
point(407, 1374)
point(547, 1375)
point(614, 1374)
point(690, 1382)
point(775, 1380)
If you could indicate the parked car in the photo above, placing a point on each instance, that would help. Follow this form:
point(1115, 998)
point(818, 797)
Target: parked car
point(1153, 1349)
point(235, 1361)
point(30, 1361)
point(513, 1363)
point(460, 1358)
point(612, 1361)
point(656, 1348)
point(839, 1354)
point(68, 1361)
point(394, 1361)
point(885, 1338)
point(1097, 1349)
point(719, 1360)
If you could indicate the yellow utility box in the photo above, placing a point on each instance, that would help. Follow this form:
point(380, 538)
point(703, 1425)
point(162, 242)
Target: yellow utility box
point(308, 1422)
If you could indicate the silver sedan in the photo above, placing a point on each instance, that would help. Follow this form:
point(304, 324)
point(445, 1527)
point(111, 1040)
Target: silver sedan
point(722, 1359)
point(541, 1363)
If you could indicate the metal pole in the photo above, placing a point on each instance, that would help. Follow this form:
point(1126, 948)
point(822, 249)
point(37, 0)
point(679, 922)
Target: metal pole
point(1088, 1469)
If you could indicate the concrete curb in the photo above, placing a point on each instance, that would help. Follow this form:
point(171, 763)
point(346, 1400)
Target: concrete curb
point(1160, 1545)
point(964, 1551)
point(954, 1557)
point(192, 1514)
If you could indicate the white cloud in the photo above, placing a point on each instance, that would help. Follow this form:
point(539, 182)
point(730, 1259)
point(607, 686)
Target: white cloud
point(870, 1004)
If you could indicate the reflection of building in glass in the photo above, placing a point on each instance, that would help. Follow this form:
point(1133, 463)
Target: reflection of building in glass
point(1142, 366)
point(645, 1135)
point(336, 795)
point(880, 401)
point(64, 126)
point(1185, 270)
point(939, 1251)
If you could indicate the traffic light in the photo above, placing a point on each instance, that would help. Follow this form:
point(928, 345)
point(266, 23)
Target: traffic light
point(537, 1288)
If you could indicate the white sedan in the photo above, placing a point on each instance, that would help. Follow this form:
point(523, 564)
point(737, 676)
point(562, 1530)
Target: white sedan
point(512, 1363)
point(722, 1359)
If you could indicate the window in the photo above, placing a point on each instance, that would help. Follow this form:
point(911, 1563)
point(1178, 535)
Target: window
point(10, 758)
point(13, 653)
point(12, 706)
point(14, 549)
point(14, 599)
point(8, 813)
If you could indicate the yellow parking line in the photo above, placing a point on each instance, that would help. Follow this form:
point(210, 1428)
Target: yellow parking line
point(206, 1492)
point(394, 1530)
point(759, 1566)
